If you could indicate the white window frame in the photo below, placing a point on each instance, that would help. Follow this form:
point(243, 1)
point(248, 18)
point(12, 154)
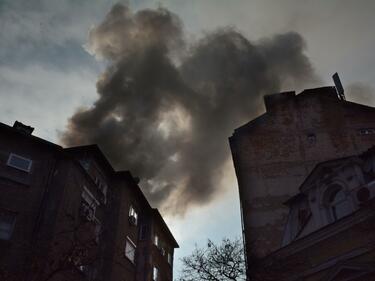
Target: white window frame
point(11, 155)
point(91, 205)
point(128, 241)
point(85, 189)
point(155, 273)
point(133, 213)
point(156, 240)
point(162, 251)
point(102, 186)
point(332, 190)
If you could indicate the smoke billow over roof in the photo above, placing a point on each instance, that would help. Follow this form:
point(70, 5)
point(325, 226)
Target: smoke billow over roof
point(166, 107)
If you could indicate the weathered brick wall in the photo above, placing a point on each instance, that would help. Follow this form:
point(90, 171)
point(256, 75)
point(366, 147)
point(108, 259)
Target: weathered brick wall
point(274, 153)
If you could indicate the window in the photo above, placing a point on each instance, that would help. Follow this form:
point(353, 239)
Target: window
point(169, 258)
point(88, 270)
point(133, 216)
point(102, 187)
point(98, 228)
point(130, 248)
point(83, 268)
point(7, 222)
point(85, 163)
point(338, 203)
point(311, 138)
point(156, 240)
point(367, 131)
point(88, 204)
point(19, 162)
point(155, 274)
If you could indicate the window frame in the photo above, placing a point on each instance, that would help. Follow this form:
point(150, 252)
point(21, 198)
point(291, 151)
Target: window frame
point(102, 187)
point(128, 241)
point(85, 204)
point(14, 155)
point(162, 251)
point(331, 203)
point(133, 213)
point(169, 258)
point(156, 240)
point(155, 273)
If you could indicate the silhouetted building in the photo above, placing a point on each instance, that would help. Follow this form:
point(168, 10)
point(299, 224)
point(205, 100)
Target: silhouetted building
point(275, 156)
point(66, 214)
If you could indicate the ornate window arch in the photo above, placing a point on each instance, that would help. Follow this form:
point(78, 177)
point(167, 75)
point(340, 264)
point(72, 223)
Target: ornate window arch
point(337, 202)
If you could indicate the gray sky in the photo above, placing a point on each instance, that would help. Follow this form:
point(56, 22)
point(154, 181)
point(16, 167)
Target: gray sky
point(46, 73)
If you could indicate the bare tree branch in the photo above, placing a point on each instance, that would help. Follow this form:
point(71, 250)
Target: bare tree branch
point(216, 262)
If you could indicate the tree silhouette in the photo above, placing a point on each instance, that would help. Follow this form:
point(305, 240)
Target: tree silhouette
point(216, 262)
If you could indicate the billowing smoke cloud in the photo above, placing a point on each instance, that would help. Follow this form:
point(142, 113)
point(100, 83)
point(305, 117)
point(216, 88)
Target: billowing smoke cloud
point(361, 93)
point(166, 107)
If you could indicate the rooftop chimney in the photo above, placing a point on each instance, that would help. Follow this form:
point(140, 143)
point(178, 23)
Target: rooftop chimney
point(23, 128)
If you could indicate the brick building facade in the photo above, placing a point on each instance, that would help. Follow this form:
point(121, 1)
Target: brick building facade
point(66, 214)
point(275, 153)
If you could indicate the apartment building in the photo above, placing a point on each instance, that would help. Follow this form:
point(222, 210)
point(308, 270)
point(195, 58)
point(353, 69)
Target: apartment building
point(65, 213)
point(275, 153)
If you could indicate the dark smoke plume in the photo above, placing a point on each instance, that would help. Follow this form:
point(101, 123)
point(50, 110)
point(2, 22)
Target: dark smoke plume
point(166, 108)
point(361, 93)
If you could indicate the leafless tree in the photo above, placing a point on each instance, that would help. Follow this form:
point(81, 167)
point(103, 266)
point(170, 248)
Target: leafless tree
point(72, 252)
point(216, 262)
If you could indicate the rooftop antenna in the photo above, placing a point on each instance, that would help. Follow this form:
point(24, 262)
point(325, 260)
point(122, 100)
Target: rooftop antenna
point(338, 85)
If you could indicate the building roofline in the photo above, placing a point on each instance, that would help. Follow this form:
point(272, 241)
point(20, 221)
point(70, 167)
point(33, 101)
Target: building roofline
point(28, 136)
point(159, 217)
point(325, 232)
point(154, 211)
point(294, 198)
point(95, 149)
point(250, 124)
point(320, 165)
point(328, 92)
point(325, 91)
point(134, 184)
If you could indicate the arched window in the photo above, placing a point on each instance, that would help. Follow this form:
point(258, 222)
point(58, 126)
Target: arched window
point(338, 204)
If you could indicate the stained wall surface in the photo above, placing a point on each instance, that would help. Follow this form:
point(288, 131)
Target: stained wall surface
point(275, 152)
